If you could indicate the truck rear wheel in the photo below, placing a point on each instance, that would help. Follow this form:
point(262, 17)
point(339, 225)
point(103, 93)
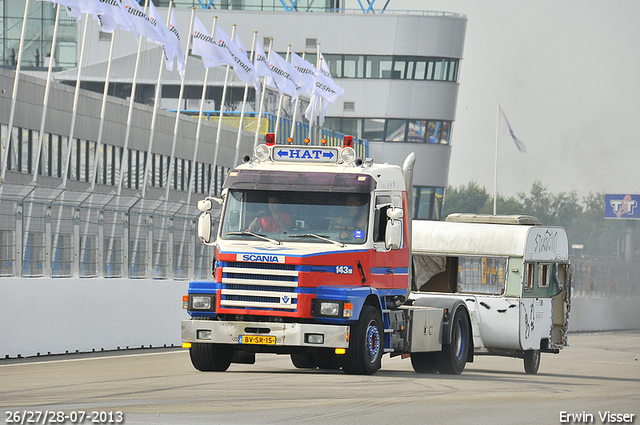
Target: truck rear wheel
point(531, 361)
point(211, 357)
point(364, 355)
point(453, 357)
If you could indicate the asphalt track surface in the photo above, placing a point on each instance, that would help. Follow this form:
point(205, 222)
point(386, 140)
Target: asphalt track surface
point(598, 372)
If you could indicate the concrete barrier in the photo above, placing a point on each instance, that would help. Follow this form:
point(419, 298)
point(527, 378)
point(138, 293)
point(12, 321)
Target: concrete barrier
point(600, 314)
point(57, 316)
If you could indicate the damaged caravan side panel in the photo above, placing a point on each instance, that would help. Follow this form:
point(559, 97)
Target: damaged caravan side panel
point(511, 273)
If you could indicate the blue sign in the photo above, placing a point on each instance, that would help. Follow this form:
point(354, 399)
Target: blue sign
point(623, 206)
point(297, 153)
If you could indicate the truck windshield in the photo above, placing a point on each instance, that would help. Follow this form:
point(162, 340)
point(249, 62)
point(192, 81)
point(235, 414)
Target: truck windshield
point(339, 216)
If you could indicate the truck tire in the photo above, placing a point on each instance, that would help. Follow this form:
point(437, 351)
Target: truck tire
point(211, 357)
point(303, 361)
point(453, 356)
point(425, 362)
point(531, 361)
point(364, 355)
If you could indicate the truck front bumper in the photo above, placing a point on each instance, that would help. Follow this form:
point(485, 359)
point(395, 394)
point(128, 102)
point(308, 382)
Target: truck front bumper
point(286, 334)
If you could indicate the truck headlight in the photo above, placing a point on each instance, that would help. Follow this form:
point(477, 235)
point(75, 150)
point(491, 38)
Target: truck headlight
point(262, 152)
point(333, 308)
point(202, 302)
point(348, 155)
point(329, 308)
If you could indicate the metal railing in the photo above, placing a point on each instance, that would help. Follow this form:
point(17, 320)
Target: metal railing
point(604, 278)
point(64, 234)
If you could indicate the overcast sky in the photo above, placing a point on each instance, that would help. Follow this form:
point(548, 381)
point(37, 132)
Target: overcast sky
point(567, 75)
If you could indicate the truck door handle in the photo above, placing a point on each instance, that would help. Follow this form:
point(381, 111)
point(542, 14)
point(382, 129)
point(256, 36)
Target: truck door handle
point(485, 305)
point(364, 278)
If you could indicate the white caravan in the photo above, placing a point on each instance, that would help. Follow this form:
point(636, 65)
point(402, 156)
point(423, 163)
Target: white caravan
point(512, 273)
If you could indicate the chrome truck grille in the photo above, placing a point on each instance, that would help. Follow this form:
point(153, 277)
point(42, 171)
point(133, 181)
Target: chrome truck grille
point(259, 286)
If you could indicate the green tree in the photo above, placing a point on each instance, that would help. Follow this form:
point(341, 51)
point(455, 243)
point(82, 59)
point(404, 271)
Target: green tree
point(583, 218)
point(469, 199)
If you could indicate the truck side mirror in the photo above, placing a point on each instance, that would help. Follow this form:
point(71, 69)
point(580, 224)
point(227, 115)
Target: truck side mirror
point(204, 227)
point(395, 213)
point(206, 205)
point(393, 234)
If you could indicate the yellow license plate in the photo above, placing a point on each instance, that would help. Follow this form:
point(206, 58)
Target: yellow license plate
point(253, 339)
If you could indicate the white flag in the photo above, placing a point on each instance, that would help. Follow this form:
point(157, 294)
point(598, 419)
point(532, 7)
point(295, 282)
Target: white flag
point(505, 129)
point(240, 58)
point(324, 67)
point(142, 24)
point(72, 6)
point(327, 88)
point(307, 71)
point(260, 61)
point(110, 13)
point(171, 45)
point(175, 35)
point(205, 46)
point(284, 76)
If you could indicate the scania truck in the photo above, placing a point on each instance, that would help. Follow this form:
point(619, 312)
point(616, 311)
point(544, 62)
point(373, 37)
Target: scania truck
point(313, 259)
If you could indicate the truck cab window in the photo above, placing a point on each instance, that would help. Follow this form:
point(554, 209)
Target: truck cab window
point(380, 224)
point(337, 216)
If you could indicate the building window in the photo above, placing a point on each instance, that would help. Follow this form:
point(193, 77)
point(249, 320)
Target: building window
point(396, 130)
point(427, 202)
point(392, 130)
point(353, 66)
point(391, 67)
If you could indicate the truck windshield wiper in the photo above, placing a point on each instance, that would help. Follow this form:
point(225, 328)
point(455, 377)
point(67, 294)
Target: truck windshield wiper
point(322, 238)
point(249, 233)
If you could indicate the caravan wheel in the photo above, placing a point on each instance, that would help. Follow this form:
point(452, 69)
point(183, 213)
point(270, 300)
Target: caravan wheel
point(531, 361)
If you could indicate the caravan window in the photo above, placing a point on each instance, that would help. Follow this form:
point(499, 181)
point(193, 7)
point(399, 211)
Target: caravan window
point(529, 276)
point(543, 274)
point(485, 275)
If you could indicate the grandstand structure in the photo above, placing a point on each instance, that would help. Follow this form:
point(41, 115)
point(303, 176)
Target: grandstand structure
point(73, 206)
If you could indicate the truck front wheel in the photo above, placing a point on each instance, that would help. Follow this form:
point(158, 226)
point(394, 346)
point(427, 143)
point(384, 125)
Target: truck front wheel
point(364, 355)
point(211, 357)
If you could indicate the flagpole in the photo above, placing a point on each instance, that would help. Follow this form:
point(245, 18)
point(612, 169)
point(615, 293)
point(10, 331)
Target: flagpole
point(16, 81)
point(199, 124)
point(495, 173)
point(103, 109)
point(295, 108)
point(219, 130)
point(281, 98)
point(156, 100)
point(127, 132)
point(76, 96)
point(264, 89)
point(45, 102)
point(316, 98)
point(244, 102)
point(177, 122)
